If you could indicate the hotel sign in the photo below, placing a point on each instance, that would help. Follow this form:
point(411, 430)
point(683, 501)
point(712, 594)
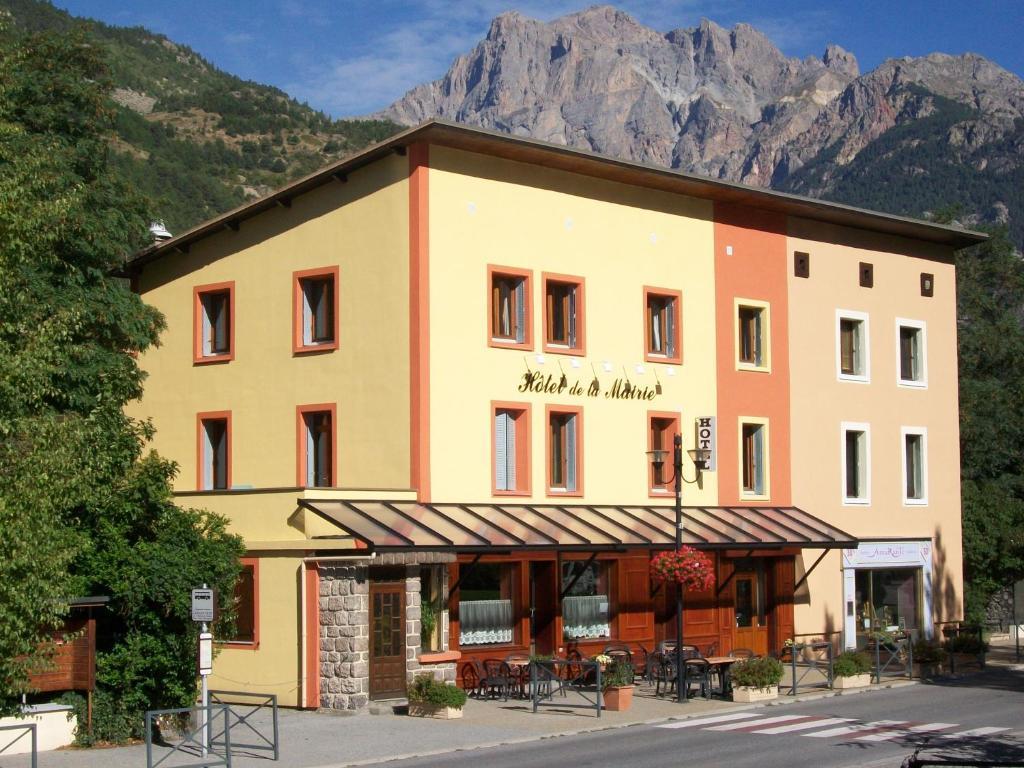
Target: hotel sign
point(706, 439)
point(620, 389)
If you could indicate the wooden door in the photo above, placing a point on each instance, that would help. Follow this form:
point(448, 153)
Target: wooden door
point(750, 629)
point(543, 606)
point(387, 640)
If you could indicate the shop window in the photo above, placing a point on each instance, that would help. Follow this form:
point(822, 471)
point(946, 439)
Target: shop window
point(662, 429)
point(512, 450)
point(563, 314)
point(432, 608)
point(565, 440)
point(752, 334)
point(888, 600)
point(856, 464)
point(911, 349)
point(754, 459)
point(316, 310)
point(246, 603)
point(487, 603)
point(510, 309)
point(585, 607)
point(316, 446)
point(915, 472)
point(662, 325)
point(214, 451)
point(214, 323)
point(852, 353)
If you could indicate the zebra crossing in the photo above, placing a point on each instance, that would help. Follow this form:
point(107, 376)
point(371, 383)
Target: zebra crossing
point(824, 727)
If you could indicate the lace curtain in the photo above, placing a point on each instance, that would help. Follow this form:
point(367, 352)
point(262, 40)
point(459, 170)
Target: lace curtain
point(585, 616)
point(485, 621)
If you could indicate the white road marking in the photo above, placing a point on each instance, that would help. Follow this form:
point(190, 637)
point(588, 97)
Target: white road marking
point(853, 729)
point(926, 728)
point(751, 723)
point(819, 723)
point(974, 732)
point(708, 720)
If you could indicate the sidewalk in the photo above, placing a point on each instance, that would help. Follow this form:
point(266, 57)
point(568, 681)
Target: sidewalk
point(317, 740)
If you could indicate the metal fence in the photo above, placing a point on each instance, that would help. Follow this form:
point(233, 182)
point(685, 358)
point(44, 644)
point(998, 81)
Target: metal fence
point(553, 677)
point(29, 728)
point(891, 657)
point(810, 658)
point(241, 714)
point(189, 746)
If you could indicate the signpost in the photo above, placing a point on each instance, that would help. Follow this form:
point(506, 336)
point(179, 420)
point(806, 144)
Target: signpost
point(204, 610)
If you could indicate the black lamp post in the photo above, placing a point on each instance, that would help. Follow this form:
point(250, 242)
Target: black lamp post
point(700, 458)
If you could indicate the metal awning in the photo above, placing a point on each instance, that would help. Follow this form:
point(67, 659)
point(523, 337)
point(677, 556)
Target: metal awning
point(404, 525)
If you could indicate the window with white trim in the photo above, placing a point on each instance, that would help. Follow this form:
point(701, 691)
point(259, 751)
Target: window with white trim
point(853, 362)
point(752, 329)
point(563, 452)
point(214, 437)
point(318, 432)
point(753, 455)
point(317, 310)
point(508, 308)
point(915, 467)
point(911, 353)
point(856, 462)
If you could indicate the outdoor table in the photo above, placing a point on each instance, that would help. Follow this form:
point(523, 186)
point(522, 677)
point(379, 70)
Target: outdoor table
point(722, 663)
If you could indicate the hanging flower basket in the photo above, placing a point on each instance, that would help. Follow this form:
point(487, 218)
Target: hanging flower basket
point(686, 566)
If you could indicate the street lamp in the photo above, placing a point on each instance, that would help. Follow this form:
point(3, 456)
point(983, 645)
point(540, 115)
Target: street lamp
point(699, 457)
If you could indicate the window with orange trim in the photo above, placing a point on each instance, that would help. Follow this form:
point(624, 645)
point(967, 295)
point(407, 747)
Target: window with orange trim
point(317, 446)
point(214, 459)
point(564, 306)
point(246, 604)
point(511, 449)
point(315, 303)
point(661, 431)
point(510, 309)
point(565, 451)
point(662, 312)
point(214, 319)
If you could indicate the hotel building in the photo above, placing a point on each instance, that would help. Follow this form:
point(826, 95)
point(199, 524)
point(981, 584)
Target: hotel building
point(423, 382)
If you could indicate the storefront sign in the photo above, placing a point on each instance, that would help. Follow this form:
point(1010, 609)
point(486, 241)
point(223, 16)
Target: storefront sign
point(705, 427)
point(888, 553)
point(620, 389)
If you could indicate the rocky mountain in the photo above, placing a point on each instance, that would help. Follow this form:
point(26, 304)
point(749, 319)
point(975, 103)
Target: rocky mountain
point(196, 139)
point(912, 136)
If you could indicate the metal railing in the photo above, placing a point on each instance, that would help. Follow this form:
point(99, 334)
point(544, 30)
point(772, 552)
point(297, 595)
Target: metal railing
point(576, 676)
point(893, 657)
point(951, 630)
point(239, 714)
point(810, 657)
point(189, 744)
point(29, 728)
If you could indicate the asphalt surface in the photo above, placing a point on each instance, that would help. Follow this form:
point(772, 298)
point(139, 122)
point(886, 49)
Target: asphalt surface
point(979, 718)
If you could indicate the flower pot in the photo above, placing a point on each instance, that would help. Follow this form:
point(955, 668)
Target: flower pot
point(746, 695)
point(618, 698)
point(853, 681)
point(423, 709)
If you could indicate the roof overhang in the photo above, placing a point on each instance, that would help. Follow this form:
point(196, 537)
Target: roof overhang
point(534, 151)
point(402, 526)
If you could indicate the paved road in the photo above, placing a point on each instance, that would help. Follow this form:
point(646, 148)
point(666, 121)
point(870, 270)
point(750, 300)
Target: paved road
point(973, 719)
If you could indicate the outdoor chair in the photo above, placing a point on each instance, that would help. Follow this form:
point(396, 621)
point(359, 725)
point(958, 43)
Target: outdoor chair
point(472, 675)
point(519, 666)
point(696, 671)
point(662, 668)
point(497, 678)
point(640, 666)
point(742, 653)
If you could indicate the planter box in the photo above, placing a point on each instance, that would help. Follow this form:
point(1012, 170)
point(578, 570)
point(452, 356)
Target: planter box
point(747, 695)
point(854, 681)
point(418, 709)
point(617, 699)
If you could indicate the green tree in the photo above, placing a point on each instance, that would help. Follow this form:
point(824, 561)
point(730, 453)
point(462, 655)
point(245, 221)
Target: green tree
point(990, 309)
point(84, 508)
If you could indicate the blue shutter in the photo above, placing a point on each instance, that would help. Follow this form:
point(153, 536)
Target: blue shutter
point(521, 311)
point(500, 453)
point(570, 453)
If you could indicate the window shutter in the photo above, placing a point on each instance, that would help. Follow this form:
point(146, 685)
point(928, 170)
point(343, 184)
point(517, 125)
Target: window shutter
point(758, 359)
point(220, 323)
point(307, 315)
point(208, 449)
point(570, 453)
point(759, 461)
point(500, 452)
point(207, 326)
point(220, 447)
point(571, 320)
point(521, 311)
point(510, 451)
point(670, 324)
point(310, 453)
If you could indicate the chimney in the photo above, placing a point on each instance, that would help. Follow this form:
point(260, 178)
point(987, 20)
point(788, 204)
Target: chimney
point(159, 231)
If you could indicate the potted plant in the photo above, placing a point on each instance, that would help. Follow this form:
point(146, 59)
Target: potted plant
point(929, 658)
point(756, 679)
point(617, 684)
point(686, 566)
point(851, 669)
point(431, 698)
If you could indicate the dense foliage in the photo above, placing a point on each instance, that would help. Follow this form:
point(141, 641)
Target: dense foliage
point(424, 689)
point(851, 664)
point(84, 508)
point(689, 567)
point(757, 672)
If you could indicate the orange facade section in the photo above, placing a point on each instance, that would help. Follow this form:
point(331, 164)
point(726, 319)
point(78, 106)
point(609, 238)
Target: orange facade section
point(750, 265)
point(419, 318)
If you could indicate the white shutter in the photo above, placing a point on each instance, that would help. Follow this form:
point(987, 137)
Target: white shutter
point(500, 452)
point(208, 449)
point(307, 315)
point(207, 327)
point(310, 463)
point(570, 453)
point(670, 324)
point(572, 316)
point(521, 311)
point(759, 461)
point(510, 452)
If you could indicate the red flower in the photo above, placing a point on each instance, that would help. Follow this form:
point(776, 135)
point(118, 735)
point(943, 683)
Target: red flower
point(686, 566)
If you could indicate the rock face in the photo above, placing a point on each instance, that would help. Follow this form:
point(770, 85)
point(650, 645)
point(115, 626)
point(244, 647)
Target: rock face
point(724, 103)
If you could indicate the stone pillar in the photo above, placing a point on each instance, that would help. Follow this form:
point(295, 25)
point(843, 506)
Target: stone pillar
point(344, 636)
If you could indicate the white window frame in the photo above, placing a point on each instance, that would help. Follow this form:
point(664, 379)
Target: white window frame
point(849, 314)
point(921, 326)
point(923, 433)
point(766, 334)
point(755, 421)
point(855, 426)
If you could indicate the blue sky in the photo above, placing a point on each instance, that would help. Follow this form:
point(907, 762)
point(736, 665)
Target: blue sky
point(350, 57)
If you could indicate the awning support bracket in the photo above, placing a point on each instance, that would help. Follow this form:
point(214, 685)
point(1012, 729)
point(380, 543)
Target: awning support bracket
point(810, 570)
point(464, 571)
point(571, 584)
